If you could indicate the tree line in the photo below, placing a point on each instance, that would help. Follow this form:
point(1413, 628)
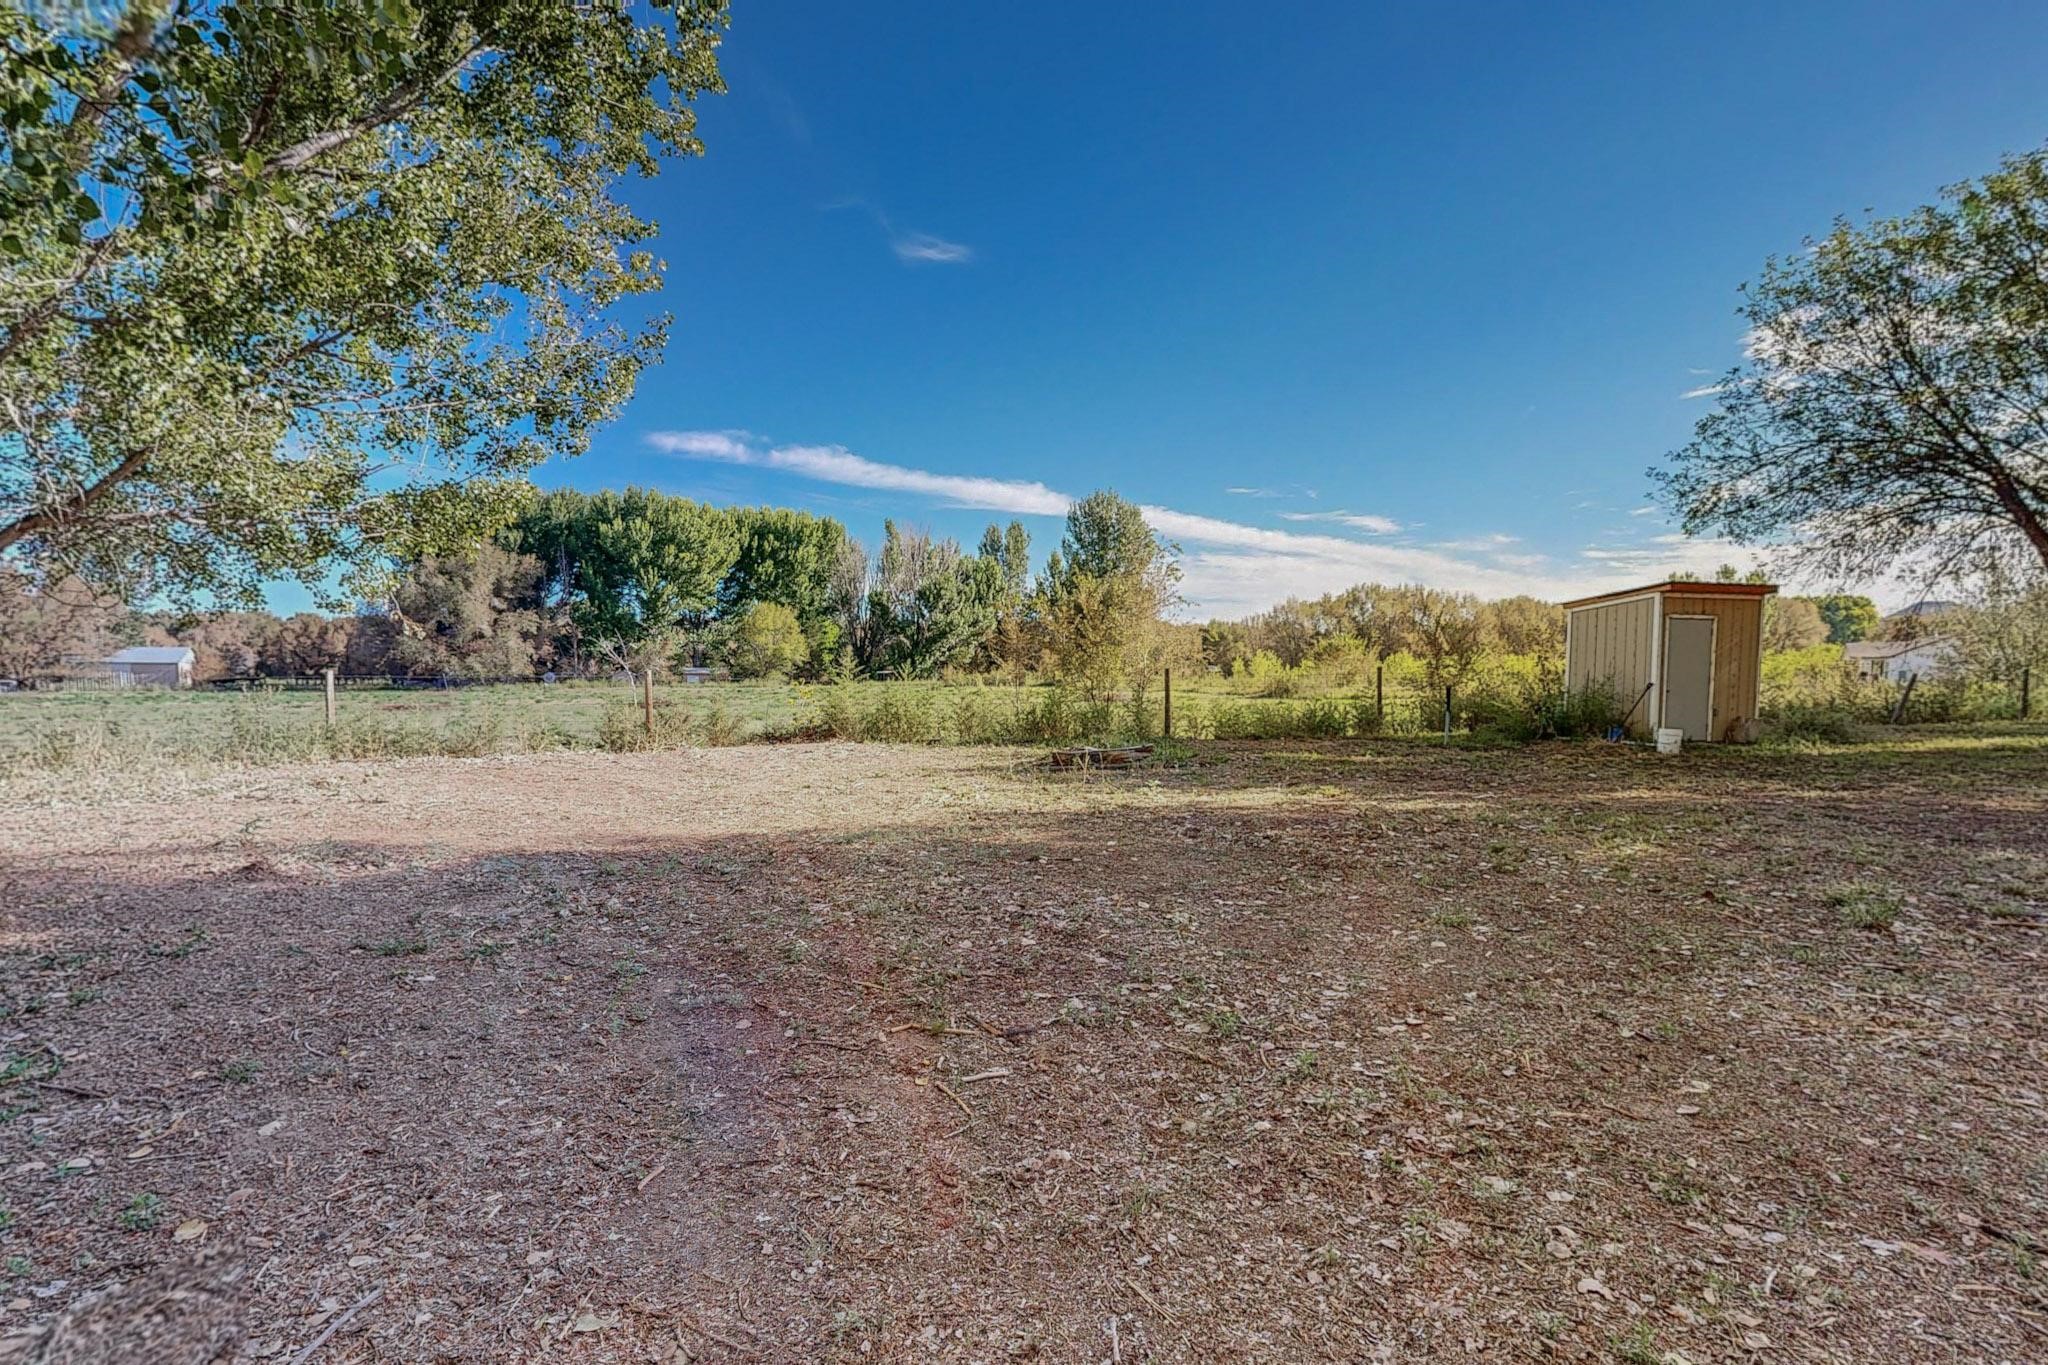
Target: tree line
point(583, 584)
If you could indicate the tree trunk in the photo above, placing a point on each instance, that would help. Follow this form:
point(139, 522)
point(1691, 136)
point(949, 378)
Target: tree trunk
point(2023, 515)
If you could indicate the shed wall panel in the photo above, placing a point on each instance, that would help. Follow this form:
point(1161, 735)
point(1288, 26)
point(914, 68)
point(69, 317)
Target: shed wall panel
point(1738, 657)
point(1611, 644)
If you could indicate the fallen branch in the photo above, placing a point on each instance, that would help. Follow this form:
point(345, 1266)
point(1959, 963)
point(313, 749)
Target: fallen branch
point(991, 1074)
point(358, 1306)
point(950, 1093)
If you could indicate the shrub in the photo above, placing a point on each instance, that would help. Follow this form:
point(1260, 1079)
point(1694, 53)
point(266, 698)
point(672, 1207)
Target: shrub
point(622, 728)
point(769, 642)
point(1811, 723)
point(974, 719)
point(838, 714)
point(900, 715)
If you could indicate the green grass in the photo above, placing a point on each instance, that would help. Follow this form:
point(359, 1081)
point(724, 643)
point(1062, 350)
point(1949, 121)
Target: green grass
point(67, 732)
point(1863, 905)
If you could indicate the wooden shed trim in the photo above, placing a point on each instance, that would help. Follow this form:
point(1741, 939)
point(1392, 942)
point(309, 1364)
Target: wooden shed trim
point(1678, 587)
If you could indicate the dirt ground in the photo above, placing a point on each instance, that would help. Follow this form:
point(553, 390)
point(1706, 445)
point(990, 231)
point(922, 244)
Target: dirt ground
point(831, 1052)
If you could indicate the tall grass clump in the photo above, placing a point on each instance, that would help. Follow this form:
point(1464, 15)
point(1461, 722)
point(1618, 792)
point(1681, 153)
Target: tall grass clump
point(622, 728)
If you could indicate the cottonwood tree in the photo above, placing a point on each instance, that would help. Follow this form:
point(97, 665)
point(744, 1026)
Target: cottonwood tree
point(1446, 630)
point(470, 616)
point(44, 623)
point(768, 641)
point(1106, 590)
point(788, 558)
point(2003, 630)
point(304, 283)
point(929, 606)
point(1792, 623)
point(1893, 409)
point(1849, 617)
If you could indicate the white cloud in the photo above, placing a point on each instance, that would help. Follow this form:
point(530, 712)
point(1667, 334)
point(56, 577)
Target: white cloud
point(1231, 568)
point(836, 464)
point(1361, 521)
point(1485, 544)
point(1703, 391)
point(1255, 493)
point(1642, 511)
point(1661, 556)
point(923, 247)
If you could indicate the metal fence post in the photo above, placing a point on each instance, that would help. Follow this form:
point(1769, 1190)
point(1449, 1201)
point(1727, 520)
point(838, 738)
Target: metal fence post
point(1169, 704)
point(647, 698)
point(1447, 713)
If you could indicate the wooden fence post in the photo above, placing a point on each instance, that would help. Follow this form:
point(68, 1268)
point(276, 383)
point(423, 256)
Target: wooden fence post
point(327, 684)
point(2026, 693)
point(647, 698)
point(1899, 707)
point(1447, 713)
point(1379, 695)
point(1169, 703)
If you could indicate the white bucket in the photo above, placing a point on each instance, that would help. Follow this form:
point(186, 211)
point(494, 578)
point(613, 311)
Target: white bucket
point(1669, 741)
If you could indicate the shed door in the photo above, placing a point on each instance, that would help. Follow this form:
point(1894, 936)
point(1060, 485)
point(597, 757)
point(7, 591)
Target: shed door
point(1689, 676)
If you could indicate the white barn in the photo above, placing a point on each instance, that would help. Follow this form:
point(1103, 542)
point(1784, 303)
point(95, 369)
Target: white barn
point(151, 666)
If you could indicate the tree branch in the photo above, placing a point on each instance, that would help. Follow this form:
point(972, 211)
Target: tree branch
point(49, 518)
point(406, 98)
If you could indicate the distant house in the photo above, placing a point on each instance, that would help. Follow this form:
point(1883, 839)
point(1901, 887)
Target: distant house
point(1895, 660)
point(151, 666)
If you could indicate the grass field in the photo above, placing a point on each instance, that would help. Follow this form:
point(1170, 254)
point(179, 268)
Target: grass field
point(1301, 1051)
point(130, 729)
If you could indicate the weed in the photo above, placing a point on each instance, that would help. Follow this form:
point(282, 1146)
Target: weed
point(240, 1071)
point(195, 939)
point(1864, 905)
point(144, 1212)
point(1638, 1346)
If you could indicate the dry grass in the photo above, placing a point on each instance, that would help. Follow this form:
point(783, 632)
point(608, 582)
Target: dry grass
point(825, 1052)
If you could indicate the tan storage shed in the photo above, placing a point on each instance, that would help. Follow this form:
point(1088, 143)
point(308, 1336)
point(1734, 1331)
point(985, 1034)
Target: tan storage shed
point(1678, 655)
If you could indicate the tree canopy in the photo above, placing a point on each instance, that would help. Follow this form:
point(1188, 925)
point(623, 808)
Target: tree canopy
point(291, 285)
point(1892, 412)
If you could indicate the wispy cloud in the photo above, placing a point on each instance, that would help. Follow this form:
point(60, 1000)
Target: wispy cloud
point(1703, 391)
point(1358, 521)
point(1255, 492)
point(912, 248)
point(836, 464)
point(923, 247)
point(1232, 568)
point(1642, 511)
point(1660, 556)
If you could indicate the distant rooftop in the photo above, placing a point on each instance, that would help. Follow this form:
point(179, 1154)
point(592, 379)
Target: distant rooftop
point(1892, 649)
point(151, 654)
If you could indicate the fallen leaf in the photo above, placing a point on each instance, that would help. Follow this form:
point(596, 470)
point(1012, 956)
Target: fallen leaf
point(191, 1230)
point(1589, 1285)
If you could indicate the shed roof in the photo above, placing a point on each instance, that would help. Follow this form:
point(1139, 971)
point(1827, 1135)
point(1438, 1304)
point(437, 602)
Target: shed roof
point(1685, 586)
point(151, 654)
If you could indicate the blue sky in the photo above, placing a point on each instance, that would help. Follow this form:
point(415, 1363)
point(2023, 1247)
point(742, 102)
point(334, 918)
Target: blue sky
point(1344, 291)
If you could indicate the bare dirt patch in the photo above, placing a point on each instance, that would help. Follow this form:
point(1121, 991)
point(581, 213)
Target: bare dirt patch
point(848, 1052)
